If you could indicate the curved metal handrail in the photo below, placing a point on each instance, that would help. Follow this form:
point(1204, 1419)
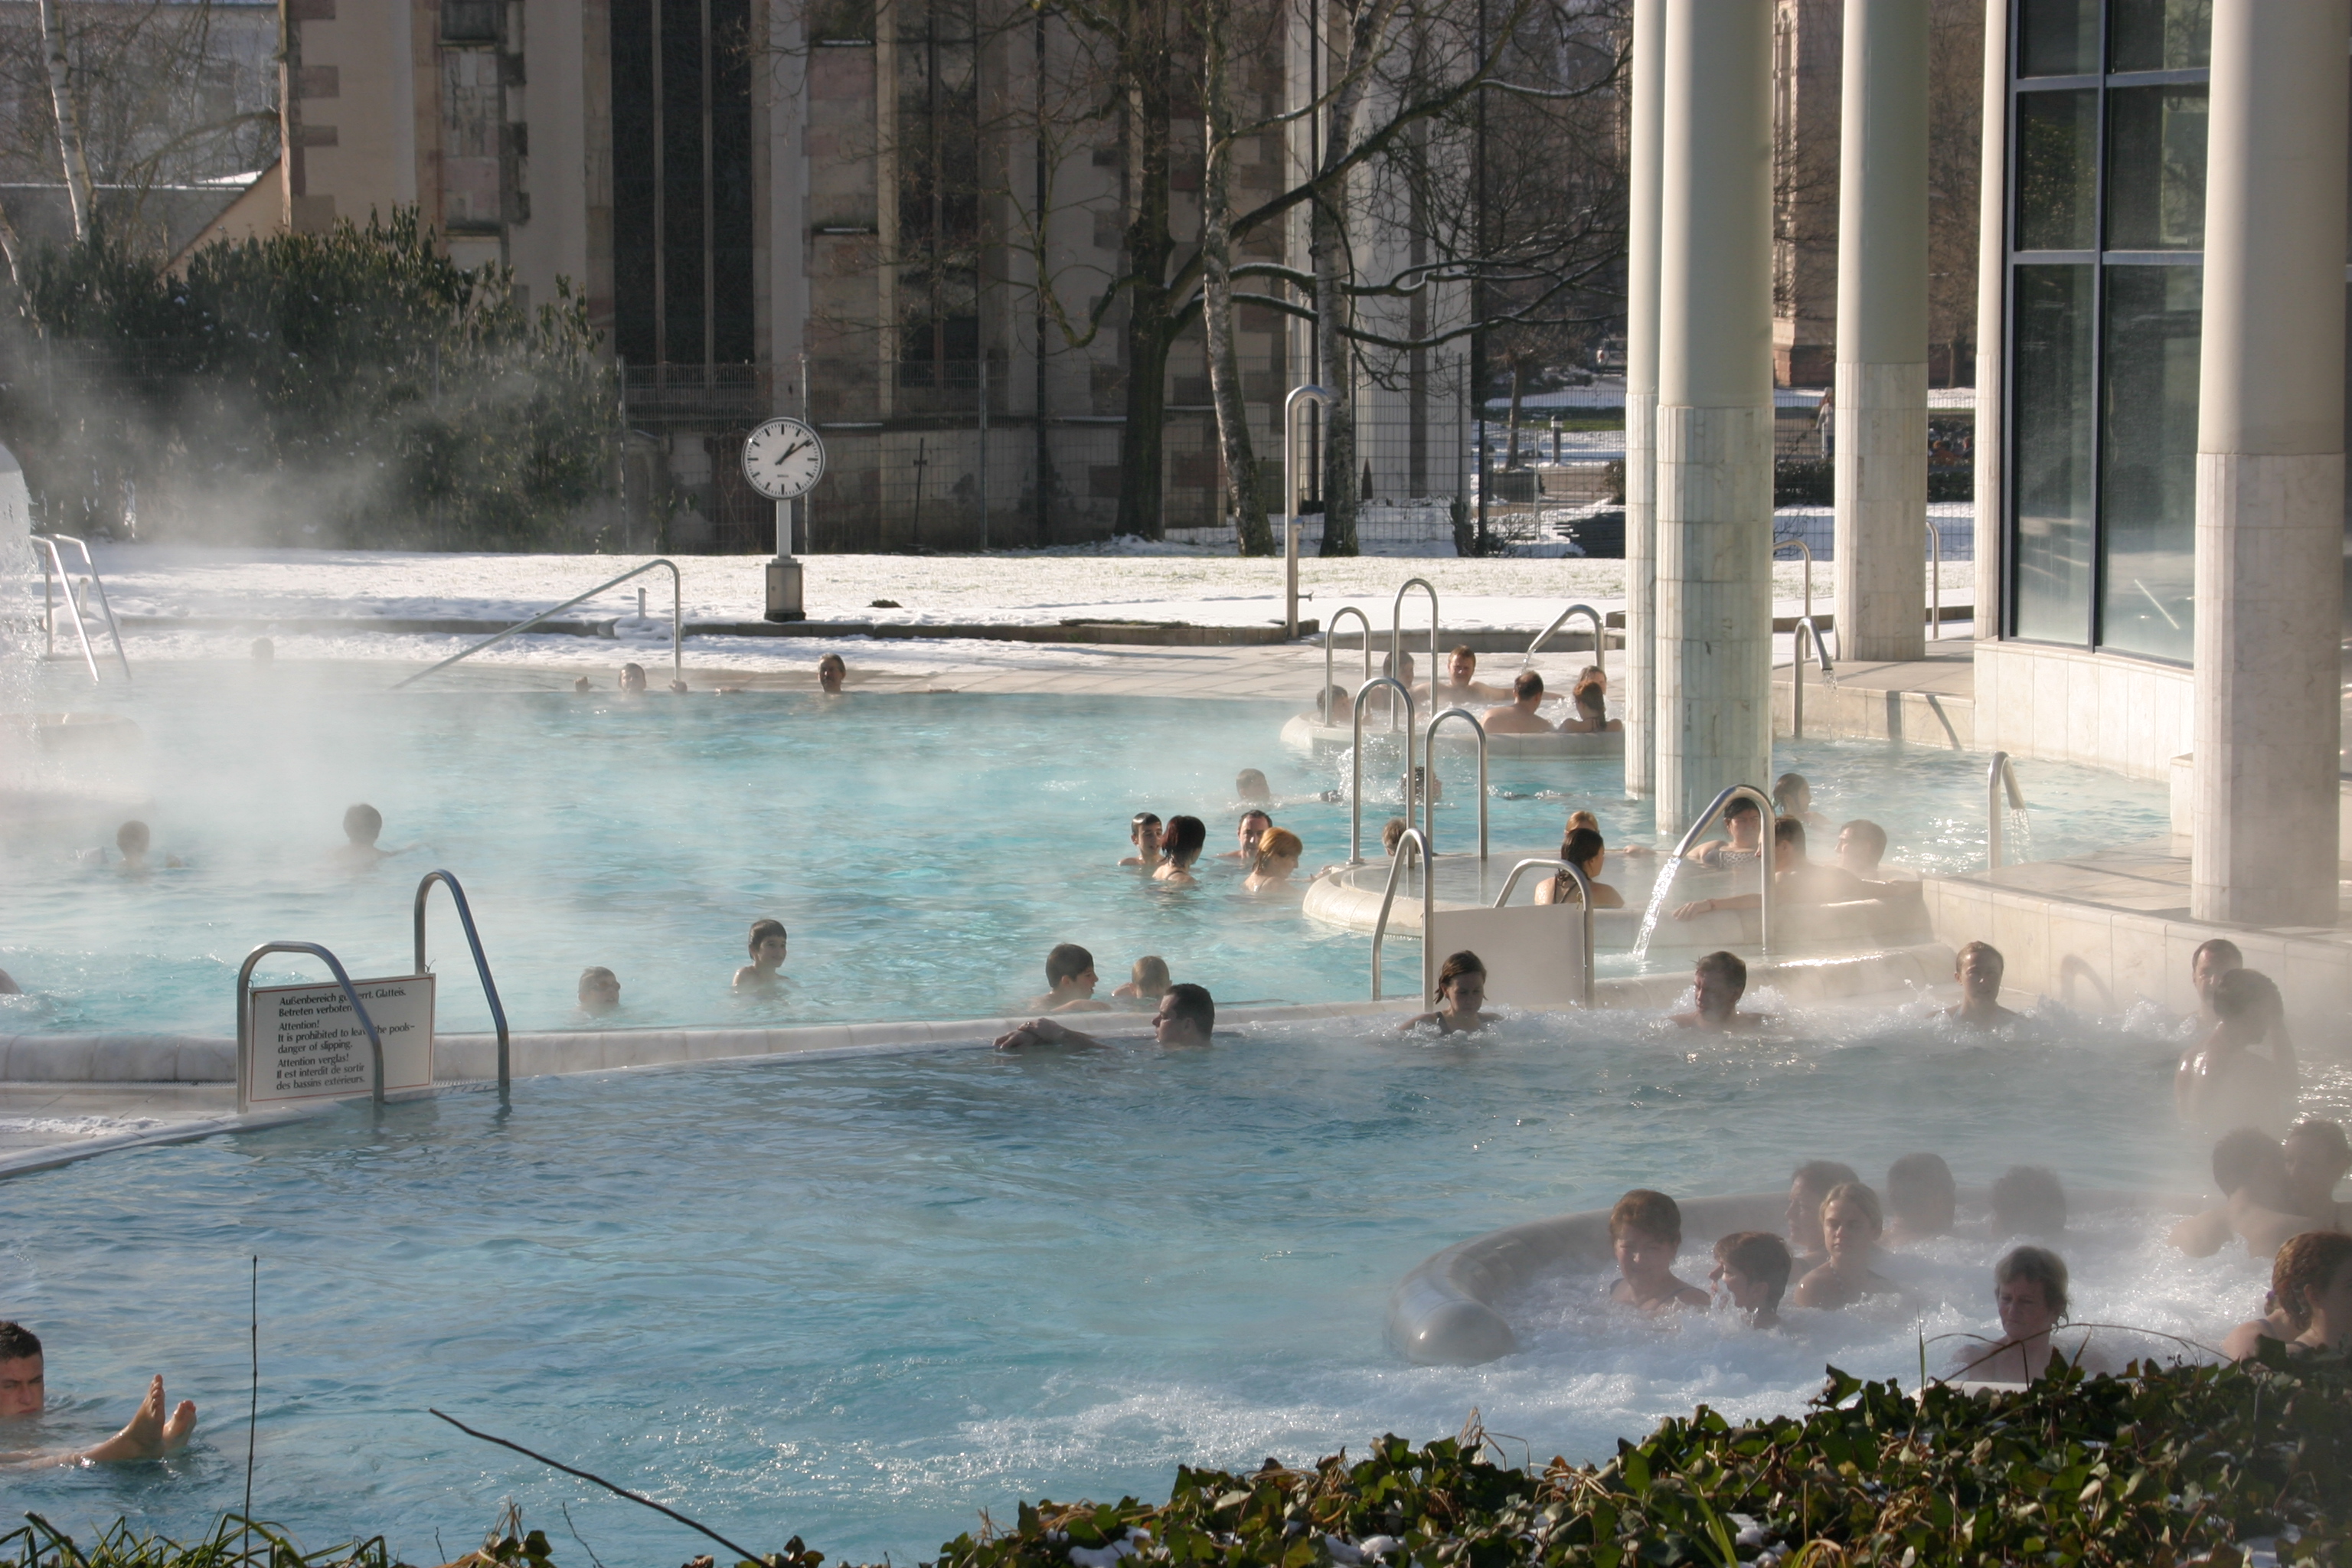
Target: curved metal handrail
point(1356, 787)
point(1600, 632)
point(481, 964)
point(56, 562)
point(2001, 772)
point(676, 622)
point(1813, 634)
point(1429, 761)
point(1308, 392)
point(1763, 858)
point(1410, 837)
point(1584, 897)
point(1396, 629)
point(245, 1014)
point(1365, 641)
point(1782, 541)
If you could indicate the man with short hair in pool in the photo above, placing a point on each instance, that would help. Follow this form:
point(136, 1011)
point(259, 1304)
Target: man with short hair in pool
point(150, 1434)
point(2310, 1295)
point(1143, 832)
point(1861, 844)
point(1251, 788)
point(1978, 967)
point(831, 671)
point(1922, 1200)
point(2029, 1293)
point(1852, 1223)
point(632, 680)
point(1147, 982)
point(2227, 1080)
point(1745, 823)
point(1719, 981)
point(1646, 1231)
point(1187, 1016)
point(1519, 718)
point(132, 839)
point(767, 948)
point(2214, 957)
point(1752, 1267)
point(362, 826)
point(2317, 1157)
point(2258, 1199)
point(1246, 833)
point(600, 991)
point(2028, 1200)
point(1070, 982)
point(1461, 686)
point(1808, 1184)
point(1795, 880)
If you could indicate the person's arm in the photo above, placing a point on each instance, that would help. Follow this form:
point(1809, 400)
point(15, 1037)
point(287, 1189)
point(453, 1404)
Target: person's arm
point(1046, 1032)
point(2265, 1229)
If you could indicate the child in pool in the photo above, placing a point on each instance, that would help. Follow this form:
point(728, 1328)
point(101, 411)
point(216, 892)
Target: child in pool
point(1752, 1267)
point(1718, 982)
point(1852, 1223)
point(1147, 982)
point(1808, 1184)
point(767, 948)
point(1070, 982)
point(1646, 1231)
point(1461, 992)
point(1143, 832)
point(600, 991)
point(132, 839)
point(362, 826)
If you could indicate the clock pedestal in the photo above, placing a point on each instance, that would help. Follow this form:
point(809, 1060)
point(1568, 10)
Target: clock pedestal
point(784, 590)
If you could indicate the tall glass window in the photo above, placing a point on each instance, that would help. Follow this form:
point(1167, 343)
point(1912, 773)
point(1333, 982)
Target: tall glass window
point(2106, 238)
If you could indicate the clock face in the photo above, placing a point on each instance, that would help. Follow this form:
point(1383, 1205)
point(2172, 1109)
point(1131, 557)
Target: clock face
point(784, 459)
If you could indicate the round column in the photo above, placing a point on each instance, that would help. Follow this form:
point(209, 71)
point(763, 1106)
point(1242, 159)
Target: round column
point(1648, 134)
point(1715, 406)
point(2270, 468)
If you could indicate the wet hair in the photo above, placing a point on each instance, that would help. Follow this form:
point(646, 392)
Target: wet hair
point(1460, 649)
point(1821, 1175)
point(1785, 788)
point(1455, 966)
point(1591, 699)
point(1725, 966)
point(1789, 831)
point(1577, 819)
point(1581, 845)
point(835, 661)
point(1183, 838)
point(1249, 781)
point(2028, 1200)
point(1920, 1190)
point(2328, 1135)
point(1986, 949)
point(2307, 1263)
point(1138, 820)
point(1274, 843)
point(1860, 1195)
point(1392, 830)
point(2041, 1265)
point(362, 823)
point(2220, 947)
point(1529, 684)
point(1868, 832)
point(1066, 962)
point(761, 931)
point(1761, 1256)
point(133, 838)
point(1255, 811)
point(1151, 973)
point(2243, 1153)
point(1742, 806)
point(597, 972)
point(1651, 1212)
point(1194, 1002)
point(17, 1342)
point(1335, 701)
point(2246, 994)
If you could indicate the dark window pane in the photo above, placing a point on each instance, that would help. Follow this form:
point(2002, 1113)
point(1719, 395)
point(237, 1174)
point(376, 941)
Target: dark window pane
point(2057, 160)
point(2148, 497)
point(2155, 168)
point(2052, 418)
point(2161, 35)
point(634, 305)
point(2061, 38)
point(731, 311)
point(682, 181)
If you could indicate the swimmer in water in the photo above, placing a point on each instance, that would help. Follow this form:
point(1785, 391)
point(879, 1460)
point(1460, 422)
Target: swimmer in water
point(1147, 982)
point(2214, 957)
point(1979, 968)
point(1795, 880)
point(1390, 831)
point(150, 1434)
point(1182, 842)
point(831, 671)
point(1251, 788)
point(768, 948)
point(1809, 1184)
point(1751, 1269)
point(1278, 850)
point(1793, 797)
point(1246, 833)
point(580, 684)
point(2028, 1200)
point(2260, 1201)
point(1721, 980)
point(1519, 718)
point(632, 680)
point(1861, 844)
point(2311, 1291)
point(1591, 715)
point(1070, 982)
point(1852, 1223)
point(2226, 1080)
point(1463, 686)
point(1646, 1231)
point(133, 840)
point(2317, 1157)
point(362, 826)
point(1921, 1199)
point(600, 991)
point(1143, 832)
point(1582, 849)
point(2029, 1293)
point(1461, 992)
point(1745, 823)
point(1186, 1017)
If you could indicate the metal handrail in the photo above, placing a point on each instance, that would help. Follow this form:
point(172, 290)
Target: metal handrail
point(1356, 790)
point(1764, 849)
point(1324, 702)
point(1600, 632)
point(1429, 761)
point(1813, 634)
point(55, 561)
point(1420, 845)
point(1322, 399)
point(245, 1014)
point(676, 622)
point(1584, 896)
point(1396, 629)
point(2001, 772)
point(1783, 541)
point(1935, 581)
point(481, 964)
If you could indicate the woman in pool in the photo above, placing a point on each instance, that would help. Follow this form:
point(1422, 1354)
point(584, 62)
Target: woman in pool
point(1792, 796)
point(2030, 1291)
point(1852, 1223)
point(1278, 850)
point(1582, 849)
point(767, 957)
point(1181, 844)
point(1591, 715)
point(2311, 1283)
point(1461, 993)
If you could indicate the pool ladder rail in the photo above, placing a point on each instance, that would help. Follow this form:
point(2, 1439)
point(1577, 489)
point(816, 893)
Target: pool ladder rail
point(1413, 839)
point(1707, 818)
point(77, 594)
point(481, 965)
point(677, 623)
point(1999, 774)
point(1600, 632)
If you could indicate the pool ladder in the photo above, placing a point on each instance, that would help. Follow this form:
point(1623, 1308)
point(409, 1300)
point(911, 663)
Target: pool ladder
point(676, 623)
point(1414, 839)
point(77, 595)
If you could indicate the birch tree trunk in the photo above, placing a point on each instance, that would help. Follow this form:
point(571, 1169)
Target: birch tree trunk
point(1328, 251)
point(1217, 289)
point(69, 144)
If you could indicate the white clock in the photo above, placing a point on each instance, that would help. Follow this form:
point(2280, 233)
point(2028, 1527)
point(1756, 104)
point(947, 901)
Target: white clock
point(784, 459)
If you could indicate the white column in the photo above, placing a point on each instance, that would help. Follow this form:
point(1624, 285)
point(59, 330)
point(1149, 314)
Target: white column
point(1882, 331)
point(1715, 406)
point(1649, 88)
point(1992, 295)
point(2269, 467)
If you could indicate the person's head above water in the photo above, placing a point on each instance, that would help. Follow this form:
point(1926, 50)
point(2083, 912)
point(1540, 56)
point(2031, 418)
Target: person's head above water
point(1583, 849)
point(1390, 831)
point(1070, 971)
point(1852, 1220)
point(1277, 850)
point(1861, 844)
point(363, 824)
point(1792, 796)
point(633, 677)
point(1753, 1267)
point(831, 671)
point(2247, 1004)
point(2029, 1200)
point(1721, 979)
point(1978, 967)
point(1787, 843)
point(1183, 839)
point(1252, 827)
point(599, 990)
point(1461, 983)
point(1187, 1016)
point(1921, 1194)
point(2249, 1159)
point(2318, 1156)
point(768, 944)
point(1250, 784)
point(1808, 1184)
point(1646, 1231)
point(1744, 822)
point(2030, 1291)
point(132, 839)
point(22, 1391)
point(1143, 832)
point(1150, 976)
point(1591, 699)
point(1461, 666)
point(2312, 1279)
point(2214, 957)
point(1528, 690)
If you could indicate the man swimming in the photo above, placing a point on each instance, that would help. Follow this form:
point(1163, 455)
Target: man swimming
point(362, 826)
point(1246, 834)
point(1187, 1016)
point(1519, 718)
point(1751, 1268)
point(150, 1434)
point(2226, 1081)
point(1745, 823)
point(1143, 832)
point(1979, 968)
point(767, 948)
point(1461, 686)
point(1070, 982)
point(133, 840)
point(632, 680)
point(1861, 844)
point(831, 671)
point(2029, 1293)
point(1795, 880)
point(2258, 1201)
point(1251, 788)
point(1721, 980)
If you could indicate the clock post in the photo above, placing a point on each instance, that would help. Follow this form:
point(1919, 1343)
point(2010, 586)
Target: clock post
point(783, 460)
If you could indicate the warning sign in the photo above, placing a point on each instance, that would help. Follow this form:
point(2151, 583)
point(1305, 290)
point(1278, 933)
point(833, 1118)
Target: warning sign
point(307, 1043)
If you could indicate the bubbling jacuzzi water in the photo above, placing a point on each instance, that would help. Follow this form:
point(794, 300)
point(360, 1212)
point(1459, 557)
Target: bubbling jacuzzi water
point(862, 1298)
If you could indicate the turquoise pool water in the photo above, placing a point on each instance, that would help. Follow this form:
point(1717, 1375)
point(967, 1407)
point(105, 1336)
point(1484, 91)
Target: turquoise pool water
point(925, 851)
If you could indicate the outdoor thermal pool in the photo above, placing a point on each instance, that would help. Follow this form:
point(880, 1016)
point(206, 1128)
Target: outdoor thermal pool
point(925, 851)
point(860, 1299)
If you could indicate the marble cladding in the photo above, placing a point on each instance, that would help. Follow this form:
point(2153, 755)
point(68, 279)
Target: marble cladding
point(2072, 705)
